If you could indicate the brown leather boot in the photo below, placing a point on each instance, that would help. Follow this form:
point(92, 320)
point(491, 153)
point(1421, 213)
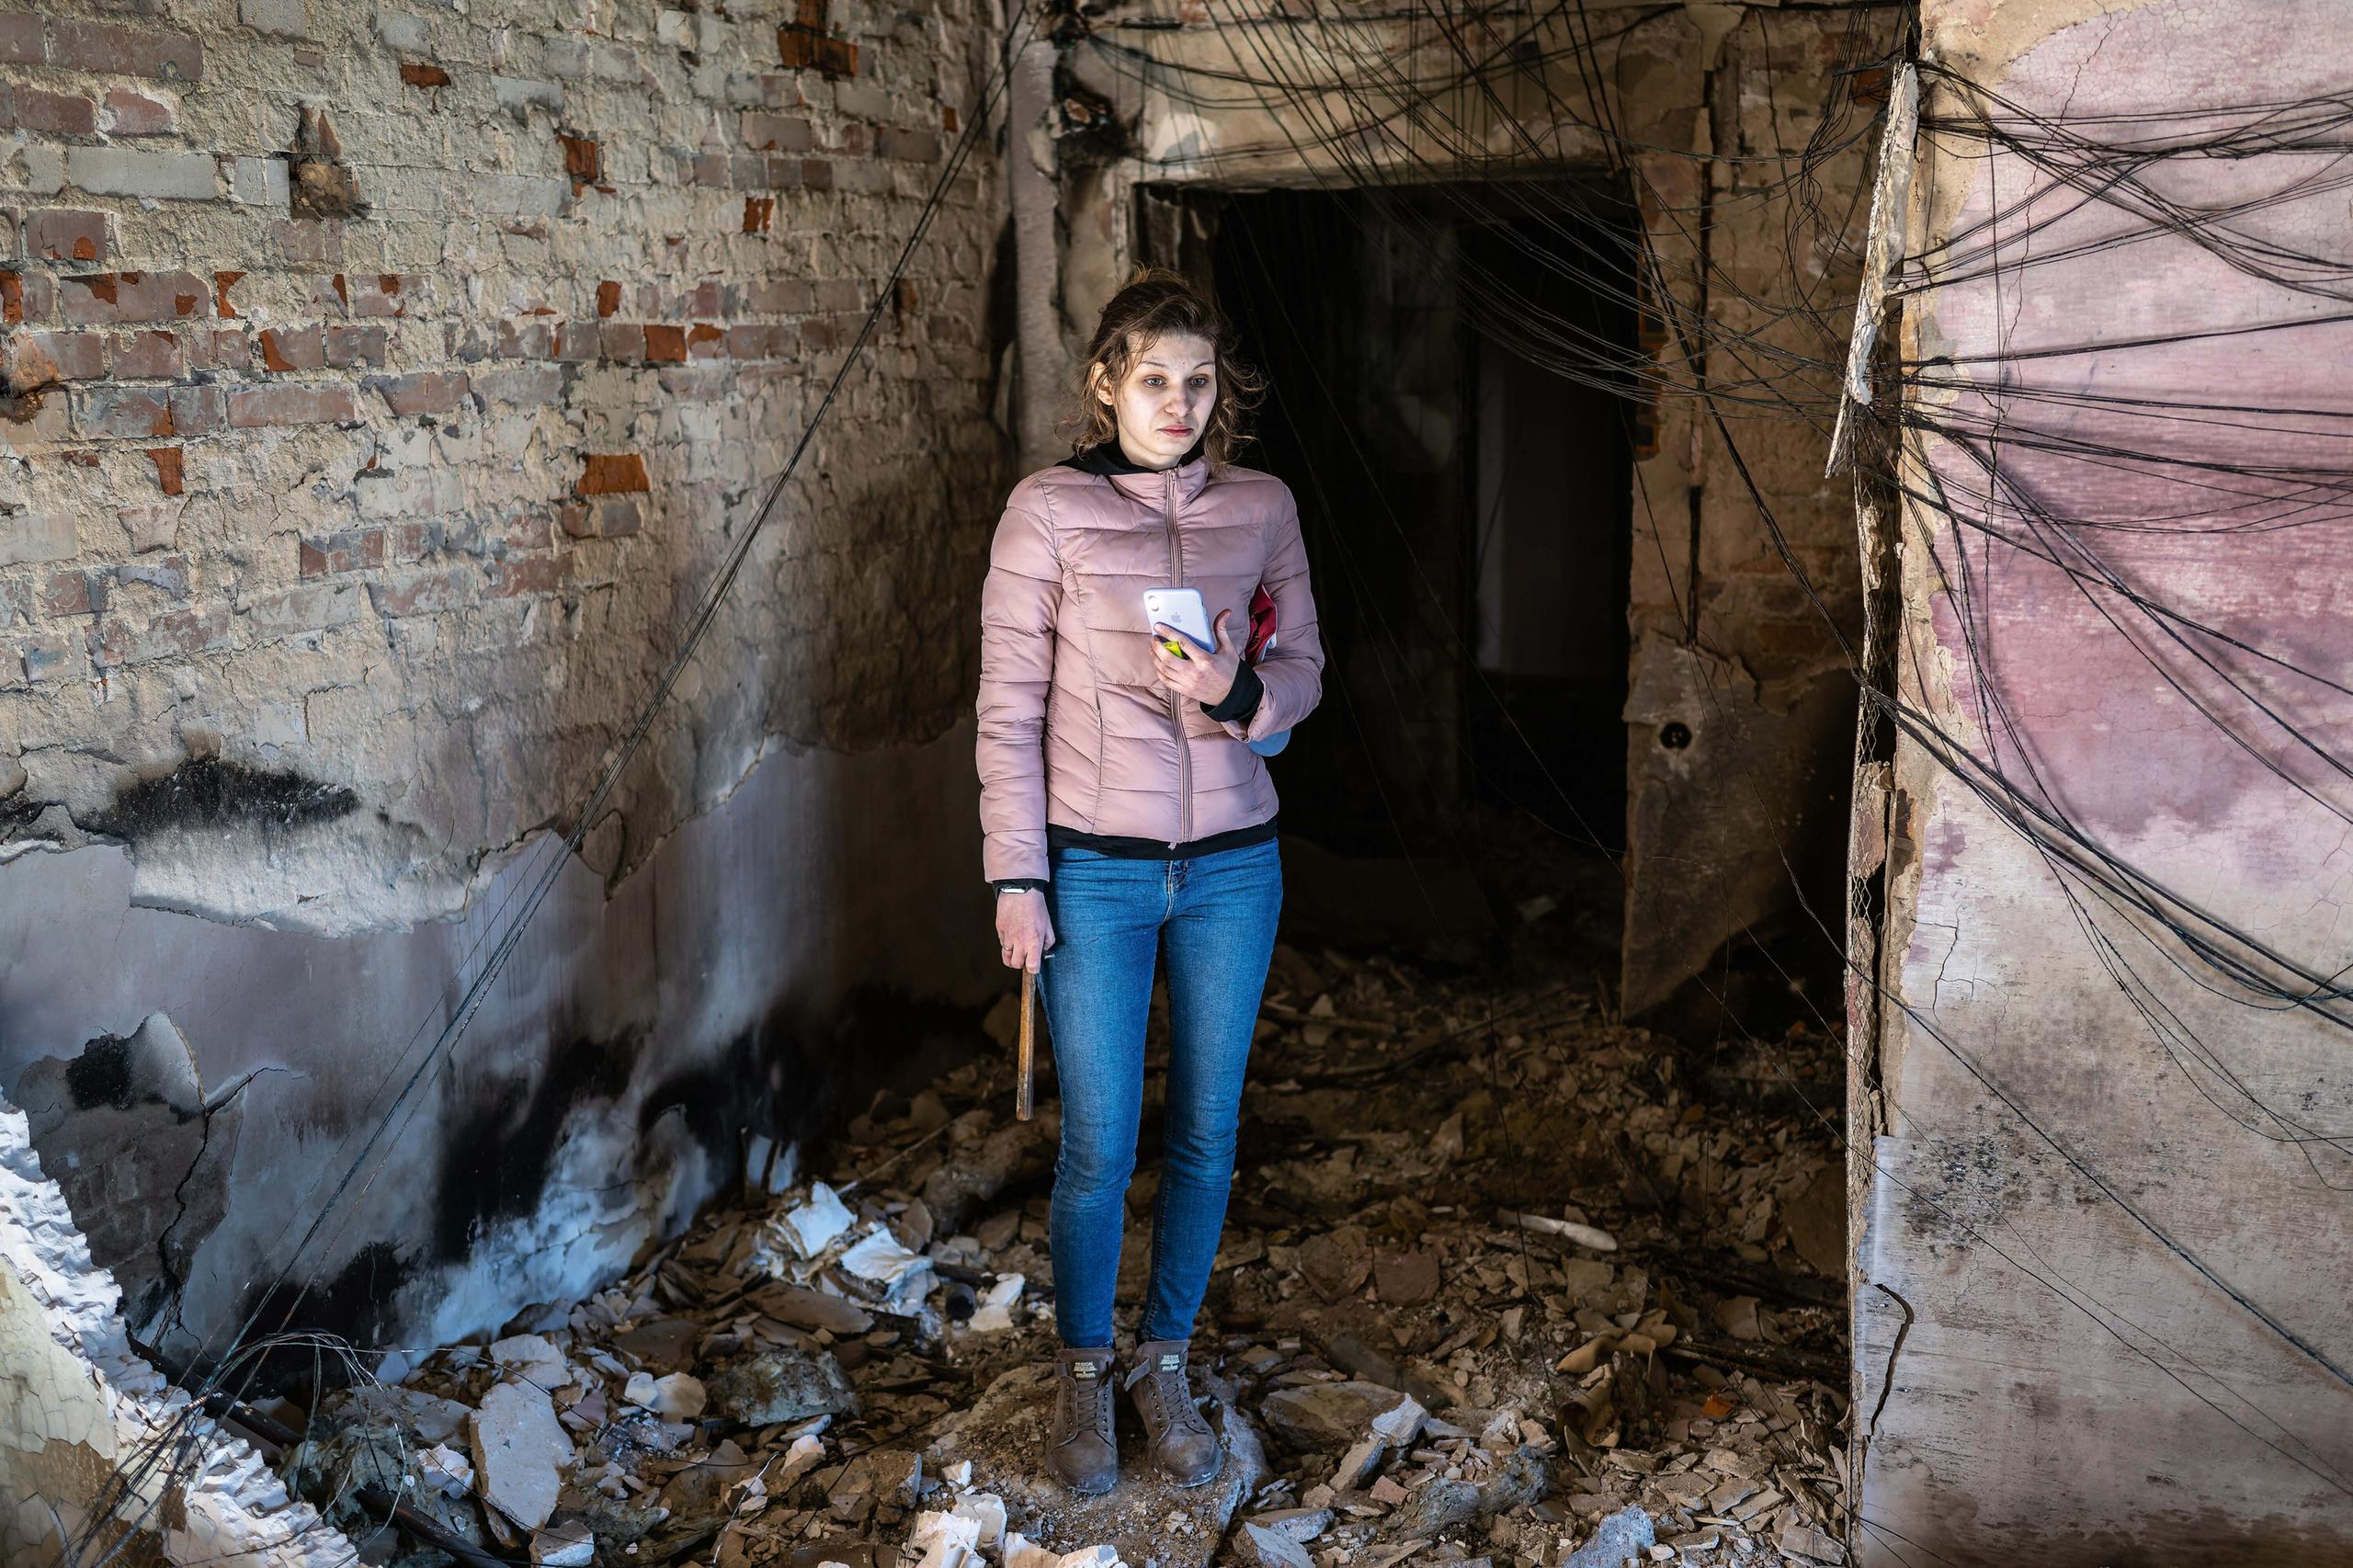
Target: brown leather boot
point(1083, 1454)
point(1181, 1444)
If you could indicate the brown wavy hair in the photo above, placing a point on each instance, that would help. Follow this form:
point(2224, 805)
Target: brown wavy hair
point(1155, 303)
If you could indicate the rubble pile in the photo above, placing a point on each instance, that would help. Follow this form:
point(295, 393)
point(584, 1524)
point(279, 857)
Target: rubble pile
point(1499, 1288)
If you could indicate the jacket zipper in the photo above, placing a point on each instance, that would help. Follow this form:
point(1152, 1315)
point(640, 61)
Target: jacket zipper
point(1177, 699)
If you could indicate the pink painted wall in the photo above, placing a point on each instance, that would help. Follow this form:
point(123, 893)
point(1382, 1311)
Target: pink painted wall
point(2104, 1165)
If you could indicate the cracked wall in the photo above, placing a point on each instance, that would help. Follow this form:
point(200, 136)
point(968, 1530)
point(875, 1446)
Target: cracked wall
point(2101, 1315)
point(1740, 716)
point(75, 1403)
point(384, 385)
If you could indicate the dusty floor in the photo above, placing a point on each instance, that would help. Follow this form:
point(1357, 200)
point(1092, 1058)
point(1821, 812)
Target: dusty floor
point(1416, 1342)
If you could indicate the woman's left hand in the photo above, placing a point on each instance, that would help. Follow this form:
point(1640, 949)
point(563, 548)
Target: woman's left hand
point(1205, 675)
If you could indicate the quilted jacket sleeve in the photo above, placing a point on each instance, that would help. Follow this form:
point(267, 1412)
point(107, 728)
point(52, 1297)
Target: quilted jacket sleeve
point(1020, 599)
point(1293, 671)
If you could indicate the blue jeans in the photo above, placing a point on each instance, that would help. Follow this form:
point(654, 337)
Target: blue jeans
point(1216, 913)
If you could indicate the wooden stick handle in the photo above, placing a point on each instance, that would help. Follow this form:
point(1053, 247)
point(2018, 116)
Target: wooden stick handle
point(1022, 1105)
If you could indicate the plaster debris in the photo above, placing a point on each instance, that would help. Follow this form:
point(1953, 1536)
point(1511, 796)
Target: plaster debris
point(747, 1399)
point(521, 1451)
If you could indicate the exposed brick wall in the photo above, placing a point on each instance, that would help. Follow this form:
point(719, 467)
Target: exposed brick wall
point(382, 382)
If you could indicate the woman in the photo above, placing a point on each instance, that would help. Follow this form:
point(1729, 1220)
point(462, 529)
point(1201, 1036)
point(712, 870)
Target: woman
point(1122, 808)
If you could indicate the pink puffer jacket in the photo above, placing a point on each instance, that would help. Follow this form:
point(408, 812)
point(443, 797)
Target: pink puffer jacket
point(1074, 728)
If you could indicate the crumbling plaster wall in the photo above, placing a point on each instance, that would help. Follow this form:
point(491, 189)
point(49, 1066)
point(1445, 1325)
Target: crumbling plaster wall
point(77, 1406)
point(2077, 1160)
point(1731, 663)
point(384, 385)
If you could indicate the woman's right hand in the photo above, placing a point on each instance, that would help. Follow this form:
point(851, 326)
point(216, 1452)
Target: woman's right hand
point(1024, 930)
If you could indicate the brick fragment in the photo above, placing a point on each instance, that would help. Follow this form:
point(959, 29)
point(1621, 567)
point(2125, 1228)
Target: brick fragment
point(525, 340)
point(103, 47)
point(664, 344)
point(759, 214)
point(129, 113)
point(199, 410)
point(353, 550)
point(113, 413)
point(419, 73)
point(291, 348)
point(705, 341)
point(608, 297)
point(61, 114)
point(148, 354)
point(349, 346)
point(37, 359)
point(72, 593)
point(169, 575)
point(526, 574)
point(20, 41)
point(583, 160)
point(109, 299)
point(222, 283)
point(54, 234)
point(168, 470)
point(918, 146)
point(290, 403)
point(177, 634)
point(776, 133)
point(575, 341)
point(612, 474)
point(423, 392)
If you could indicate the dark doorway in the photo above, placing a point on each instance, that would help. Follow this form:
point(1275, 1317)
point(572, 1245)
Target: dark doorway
point(1463, 469)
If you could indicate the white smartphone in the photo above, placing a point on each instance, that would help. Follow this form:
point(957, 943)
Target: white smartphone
point(1182, 609)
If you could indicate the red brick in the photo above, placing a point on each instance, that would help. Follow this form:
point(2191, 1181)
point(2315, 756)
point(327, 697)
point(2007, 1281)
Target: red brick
point(220, 348)
point(112, 298)
point(711, 298)
point(133, 412)
point(776, 133)
point(63, 114)
point(816, 173)
point(780, 297)
point(525, 340)
point(712, 169)
point(54, 234)
point(142, 354)
point(285, 348)
point(101, 46)
point(251, 407)
point(167, 461)
point(759, 214)
point(135, 114)
point(222, 283)
point(705, 341)
point(177, 634)
point(353, 345)
point(379, 296)
point(72, 593)
point(583, 159)
point(20, 38)
point(664, 344)
point(424, 392)
point(37, 359)
point(612, 474)
point(354, 549)
point(606, 517)
point(620, 340)
point(526, 574)
point(417, 73)
point(838, 294)
point(198, 410)
point(575, 341)
point(608, 297)
point(783, 173)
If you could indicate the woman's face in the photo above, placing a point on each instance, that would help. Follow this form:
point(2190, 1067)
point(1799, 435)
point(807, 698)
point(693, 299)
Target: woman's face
point(1164, 402)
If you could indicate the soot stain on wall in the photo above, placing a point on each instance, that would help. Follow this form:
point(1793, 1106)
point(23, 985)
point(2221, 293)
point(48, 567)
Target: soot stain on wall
point(494, 1164)
point(212, 792)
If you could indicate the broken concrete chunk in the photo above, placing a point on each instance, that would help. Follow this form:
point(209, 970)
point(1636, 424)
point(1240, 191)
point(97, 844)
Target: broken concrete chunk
point(521, 1453)
point(445, 1470)
point(531, 1358)
point(1627, 1533)
point(678, 1397)
point(1336, 1263)
point(565, 1545)
point(782, 1384)
point(1332, 1414)
point(1408, 1278)
point(1805, 1541)
point(1259, 1547)
point(986, 1511)
point(1357, 1465)
point(1302, 1525)
point(995, 1313)
point(879, 1257)
point(804, 1307)
point(1567, 1230)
